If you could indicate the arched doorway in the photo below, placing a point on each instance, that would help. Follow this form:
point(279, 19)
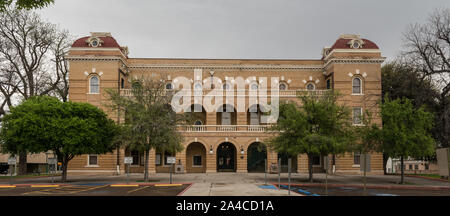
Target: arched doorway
point(226, 157)
point(196, 158)
point(284, 162)
point(256, 156)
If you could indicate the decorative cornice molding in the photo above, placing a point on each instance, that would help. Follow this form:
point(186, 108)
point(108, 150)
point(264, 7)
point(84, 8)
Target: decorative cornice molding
point(354, 61)
point(206, 66)
point(95, 58)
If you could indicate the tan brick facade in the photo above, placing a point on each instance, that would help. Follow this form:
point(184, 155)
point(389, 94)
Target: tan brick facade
point(339, 65)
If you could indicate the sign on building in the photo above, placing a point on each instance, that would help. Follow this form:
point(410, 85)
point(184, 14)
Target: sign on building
point(128, 160)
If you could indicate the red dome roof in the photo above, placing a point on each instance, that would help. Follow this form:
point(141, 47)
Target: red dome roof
point(107, 42)
point(343, 43)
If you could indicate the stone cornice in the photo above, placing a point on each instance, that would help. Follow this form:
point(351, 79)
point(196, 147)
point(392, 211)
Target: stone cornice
point(231, 66)
point(354, 61)
point(95, 58)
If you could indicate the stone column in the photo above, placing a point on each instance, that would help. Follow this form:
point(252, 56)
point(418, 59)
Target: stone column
point(302, 163)
point(211, 159)
point(151, 162)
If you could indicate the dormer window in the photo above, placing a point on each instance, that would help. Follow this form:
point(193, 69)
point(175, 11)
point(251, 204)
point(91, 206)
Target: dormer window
point(356, 44)
point(94, 42)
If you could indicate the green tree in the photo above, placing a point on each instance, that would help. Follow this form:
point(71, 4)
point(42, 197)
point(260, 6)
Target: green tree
point(406, 131)
point(25, 4)
point(43, 123)
point(149, 119)
point(368, 140)
point(320, 126)
point(402, 80)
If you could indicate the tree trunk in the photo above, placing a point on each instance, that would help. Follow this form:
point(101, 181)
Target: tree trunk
point(147, 153)
point(65, 162)
point(365, 173)
point(402, 170)
point(22, 163)
point(385, 160)
point(310, 168)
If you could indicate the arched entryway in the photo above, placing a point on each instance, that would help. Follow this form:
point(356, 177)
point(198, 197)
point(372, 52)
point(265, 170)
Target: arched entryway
point(226, 157)
point(284, 162)
point(256, 156)
point(196, 158)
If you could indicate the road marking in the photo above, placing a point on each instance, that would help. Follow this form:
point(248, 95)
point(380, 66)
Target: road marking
point(43, 186)
point(7, 186)
point(124, 185)
point(166, 185)
point(88, 189)
point(137, 189)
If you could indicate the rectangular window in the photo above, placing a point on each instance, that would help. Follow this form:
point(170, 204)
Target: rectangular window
point(197, 160)
point(158, 159)
point(135, 155)
point(328, 83)
point(93, 160)
point(410, 167)
point(357, 158)
point(226, 118)
point(416, 167)
point(316, 160)
point(426, 166)
point(357, 114)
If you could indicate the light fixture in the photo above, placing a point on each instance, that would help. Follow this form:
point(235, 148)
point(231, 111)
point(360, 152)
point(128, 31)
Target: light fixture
point(211, 150)
point(242, 150)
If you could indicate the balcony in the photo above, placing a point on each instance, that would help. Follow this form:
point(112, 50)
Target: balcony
point(224, 128)
point(242, 93)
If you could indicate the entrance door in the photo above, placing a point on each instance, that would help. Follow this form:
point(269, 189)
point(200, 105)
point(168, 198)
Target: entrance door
point(256, 155)
point(226, 158)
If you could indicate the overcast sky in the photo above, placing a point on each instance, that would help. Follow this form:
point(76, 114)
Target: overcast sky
point(286, 29)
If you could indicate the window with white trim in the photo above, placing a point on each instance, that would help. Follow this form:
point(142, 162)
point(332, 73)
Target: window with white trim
point(357, 85)
point(94, 84)
point(310, 87)
point(283, 86)
point(357, 158)
point(357, 115)
point(93, 160)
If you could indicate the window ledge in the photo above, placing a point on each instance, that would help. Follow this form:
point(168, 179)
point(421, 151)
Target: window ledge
point(197, 166)
point(354, 94)
point(356, 165)
point(92, 93)
point(359, 125)
point(92, 166)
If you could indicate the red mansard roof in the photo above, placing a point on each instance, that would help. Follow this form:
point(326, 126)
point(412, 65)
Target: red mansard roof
point(107, 42)
point(342, 43)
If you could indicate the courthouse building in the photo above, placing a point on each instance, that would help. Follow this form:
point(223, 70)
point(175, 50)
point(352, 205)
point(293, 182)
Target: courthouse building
point(232, 140)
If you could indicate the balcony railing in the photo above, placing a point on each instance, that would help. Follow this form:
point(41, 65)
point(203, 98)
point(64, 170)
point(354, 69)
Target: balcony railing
point(241, 93)
point(223, 128)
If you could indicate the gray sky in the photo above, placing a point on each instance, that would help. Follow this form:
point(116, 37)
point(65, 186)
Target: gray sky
point(286, 29)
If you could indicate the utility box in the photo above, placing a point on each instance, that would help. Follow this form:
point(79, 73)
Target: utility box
point(179, 168)
point(443, 159)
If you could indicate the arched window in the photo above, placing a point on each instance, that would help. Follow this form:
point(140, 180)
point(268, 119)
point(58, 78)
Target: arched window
point(283, 86)
point(169, 86)
point(356, 86)
point(226, 86)
point(198, 122)
point(254, 86)
point(94, 85)
point(310, 87)
point(198, 87)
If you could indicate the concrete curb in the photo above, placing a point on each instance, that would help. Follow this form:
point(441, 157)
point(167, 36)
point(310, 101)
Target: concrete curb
point(371, 186)
point(182, 192)
point(428, 178)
